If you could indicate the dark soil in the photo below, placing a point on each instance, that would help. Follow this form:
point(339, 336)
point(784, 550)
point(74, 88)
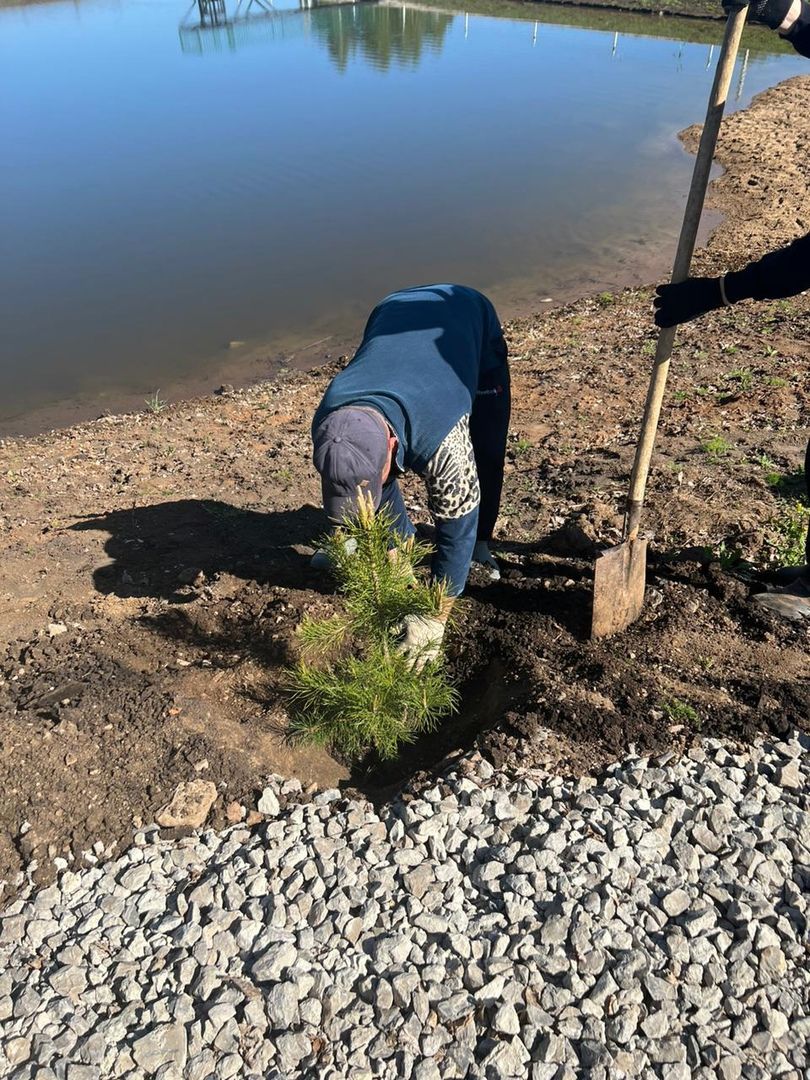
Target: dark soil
point(156, 566)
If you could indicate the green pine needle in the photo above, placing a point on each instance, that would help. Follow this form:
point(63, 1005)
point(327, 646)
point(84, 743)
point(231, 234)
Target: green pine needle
point(377, 701)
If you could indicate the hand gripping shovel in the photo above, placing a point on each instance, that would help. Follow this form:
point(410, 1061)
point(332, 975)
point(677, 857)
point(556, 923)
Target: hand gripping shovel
point(620, 575)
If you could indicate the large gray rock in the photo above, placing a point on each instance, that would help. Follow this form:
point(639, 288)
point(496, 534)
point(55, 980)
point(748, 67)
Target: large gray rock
point(268, 803)
point(274, 962)
point(282, 1005)
point(162, 1045)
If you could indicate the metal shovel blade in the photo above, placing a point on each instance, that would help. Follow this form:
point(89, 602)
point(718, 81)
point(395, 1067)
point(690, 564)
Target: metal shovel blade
point(618, 588)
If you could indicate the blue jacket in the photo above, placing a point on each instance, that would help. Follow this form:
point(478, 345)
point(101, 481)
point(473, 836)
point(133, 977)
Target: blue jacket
point(423, 353)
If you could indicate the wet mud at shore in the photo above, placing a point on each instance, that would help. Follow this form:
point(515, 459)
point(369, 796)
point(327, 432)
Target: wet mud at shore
point(156, 566)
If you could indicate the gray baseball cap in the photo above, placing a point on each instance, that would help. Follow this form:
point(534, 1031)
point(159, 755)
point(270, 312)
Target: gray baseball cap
point(350, 451)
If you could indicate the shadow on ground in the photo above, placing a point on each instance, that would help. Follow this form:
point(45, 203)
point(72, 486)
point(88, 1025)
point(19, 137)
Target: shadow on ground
point(159, 550)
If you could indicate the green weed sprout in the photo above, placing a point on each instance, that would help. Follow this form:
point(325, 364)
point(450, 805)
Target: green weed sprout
point(155, 403)
point(744, 378)
point(716, 447)
point(352, 690)
point(791, 529)
point(728, 555)
point(681, 712)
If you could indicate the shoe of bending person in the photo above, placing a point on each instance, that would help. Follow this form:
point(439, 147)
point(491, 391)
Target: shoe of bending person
point(790, 601)
point(787, 574)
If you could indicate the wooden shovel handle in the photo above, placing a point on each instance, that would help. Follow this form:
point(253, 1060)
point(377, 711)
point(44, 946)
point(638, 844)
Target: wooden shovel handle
point(680, 271)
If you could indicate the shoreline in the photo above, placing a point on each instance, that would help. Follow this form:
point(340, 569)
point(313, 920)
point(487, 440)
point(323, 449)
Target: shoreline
point(634, 271)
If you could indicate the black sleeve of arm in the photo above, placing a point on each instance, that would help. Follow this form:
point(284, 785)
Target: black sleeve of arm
point(781, 273)
point(799, 34)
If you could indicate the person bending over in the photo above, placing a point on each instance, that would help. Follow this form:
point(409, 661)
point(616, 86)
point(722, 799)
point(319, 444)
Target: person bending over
point(427, 391)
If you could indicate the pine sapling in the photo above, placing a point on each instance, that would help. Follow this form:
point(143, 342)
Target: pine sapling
point(352, 690)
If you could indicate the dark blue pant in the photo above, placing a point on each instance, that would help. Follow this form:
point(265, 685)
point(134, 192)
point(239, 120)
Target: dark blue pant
point(807, 481)
point(489, 428)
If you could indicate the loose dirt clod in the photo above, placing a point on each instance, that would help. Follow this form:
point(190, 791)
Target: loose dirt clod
point(189, 806)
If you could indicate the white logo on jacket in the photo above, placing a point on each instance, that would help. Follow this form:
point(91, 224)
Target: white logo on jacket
point(451, 475)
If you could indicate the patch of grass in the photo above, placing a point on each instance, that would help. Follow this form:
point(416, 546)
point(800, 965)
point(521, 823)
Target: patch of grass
point(648, 348)
point(775, 381)
point(155, 403)
point(605, 299)
point(648, 17)
point(716, 447)
point(743, 377)
point(788, 484)
point(521, 446)
point(681, 712)
point(680, 395)
point(790, 529)
point(353, 690)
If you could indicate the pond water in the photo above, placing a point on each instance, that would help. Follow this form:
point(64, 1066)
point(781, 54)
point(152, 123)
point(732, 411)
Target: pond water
point(188, 195)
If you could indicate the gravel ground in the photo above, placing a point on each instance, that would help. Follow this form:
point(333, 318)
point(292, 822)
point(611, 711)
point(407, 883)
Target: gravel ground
point(651, 923)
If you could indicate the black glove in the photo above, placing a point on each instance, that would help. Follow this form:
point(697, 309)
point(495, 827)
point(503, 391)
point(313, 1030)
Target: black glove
point(676, 304)
point(770, 12)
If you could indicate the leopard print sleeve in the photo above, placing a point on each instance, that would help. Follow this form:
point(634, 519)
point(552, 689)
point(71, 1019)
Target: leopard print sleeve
point(451, 475)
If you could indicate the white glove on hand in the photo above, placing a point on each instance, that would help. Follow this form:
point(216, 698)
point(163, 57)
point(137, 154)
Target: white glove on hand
point(321, 561)
point(421, 640)
point(482, 555)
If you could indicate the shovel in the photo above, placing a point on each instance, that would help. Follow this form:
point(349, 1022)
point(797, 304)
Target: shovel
point(620, 575)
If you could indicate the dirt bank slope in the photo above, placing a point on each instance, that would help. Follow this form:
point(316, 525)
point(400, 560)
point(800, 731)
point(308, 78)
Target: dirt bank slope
point(155, 566)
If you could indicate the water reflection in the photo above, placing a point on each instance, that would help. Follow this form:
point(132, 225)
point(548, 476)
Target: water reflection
point(218, 25)
point(380, 35)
